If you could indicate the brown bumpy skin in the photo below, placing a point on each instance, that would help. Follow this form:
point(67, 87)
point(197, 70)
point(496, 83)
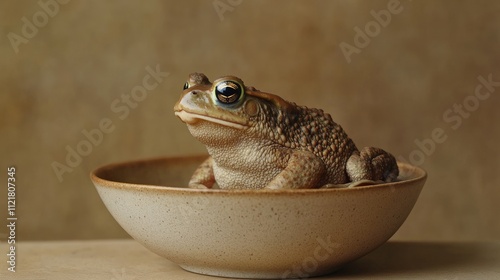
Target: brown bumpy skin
point(258, 140)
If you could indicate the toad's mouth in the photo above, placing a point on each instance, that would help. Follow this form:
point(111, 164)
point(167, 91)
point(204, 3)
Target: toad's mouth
point(193, 118)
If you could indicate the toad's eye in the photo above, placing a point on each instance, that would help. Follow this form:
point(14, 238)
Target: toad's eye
point(186, 85)
point(228, 92)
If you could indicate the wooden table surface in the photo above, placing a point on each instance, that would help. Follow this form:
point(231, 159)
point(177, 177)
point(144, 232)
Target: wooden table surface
point(128, 260)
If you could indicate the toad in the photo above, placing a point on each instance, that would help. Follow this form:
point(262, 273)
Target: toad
point(258, 140)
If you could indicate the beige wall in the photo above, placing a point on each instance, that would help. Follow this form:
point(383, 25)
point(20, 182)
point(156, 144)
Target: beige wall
point(398, 87)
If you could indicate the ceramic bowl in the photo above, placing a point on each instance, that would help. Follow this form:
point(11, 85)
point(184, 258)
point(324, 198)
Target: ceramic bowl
point(252, 233)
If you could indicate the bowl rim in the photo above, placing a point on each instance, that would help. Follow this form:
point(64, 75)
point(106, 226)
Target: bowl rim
point(96, 179)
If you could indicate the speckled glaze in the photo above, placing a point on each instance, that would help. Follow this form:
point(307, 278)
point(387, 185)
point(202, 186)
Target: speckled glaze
point(252, 233)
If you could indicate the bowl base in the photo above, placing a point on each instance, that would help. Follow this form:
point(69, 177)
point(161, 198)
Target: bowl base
point(286, 274)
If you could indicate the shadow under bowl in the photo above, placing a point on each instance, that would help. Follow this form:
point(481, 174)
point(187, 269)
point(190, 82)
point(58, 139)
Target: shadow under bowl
point(252, 233)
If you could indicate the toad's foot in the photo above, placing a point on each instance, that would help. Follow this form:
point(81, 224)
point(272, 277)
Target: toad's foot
point(352, 184)
point(372, 164)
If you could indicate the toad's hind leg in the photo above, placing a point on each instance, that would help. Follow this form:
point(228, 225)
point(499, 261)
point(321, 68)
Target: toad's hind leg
point(372, 164)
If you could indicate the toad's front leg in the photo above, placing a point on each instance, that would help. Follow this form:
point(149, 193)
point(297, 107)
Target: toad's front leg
point(203, 177)
point(303, 170)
